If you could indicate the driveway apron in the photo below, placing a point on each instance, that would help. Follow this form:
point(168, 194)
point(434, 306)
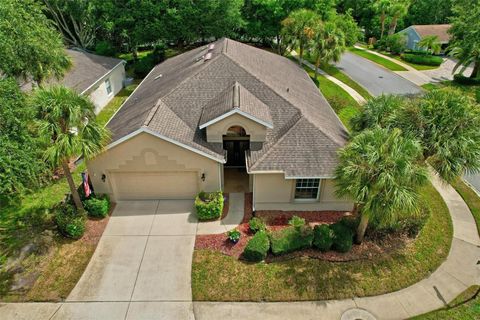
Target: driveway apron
point(144, 256)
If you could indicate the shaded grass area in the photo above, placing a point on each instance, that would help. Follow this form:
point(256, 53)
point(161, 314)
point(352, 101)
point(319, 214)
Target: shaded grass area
point(465, 307)
point(216, 277)
point(471, 199)
point(108, 111)
point(344, 105)
point(377, 59)
point(336, 73)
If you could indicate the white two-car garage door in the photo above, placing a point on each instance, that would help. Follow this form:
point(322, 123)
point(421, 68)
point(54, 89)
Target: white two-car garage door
point(155, 185)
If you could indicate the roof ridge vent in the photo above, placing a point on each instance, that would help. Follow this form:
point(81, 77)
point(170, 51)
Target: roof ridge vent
point(211, 47)
point(207, 57)
point(236, 95)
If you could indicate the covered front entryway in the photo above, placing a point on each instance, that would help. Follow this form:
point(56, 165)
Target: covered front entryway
point(236, 142)
point(155, 185)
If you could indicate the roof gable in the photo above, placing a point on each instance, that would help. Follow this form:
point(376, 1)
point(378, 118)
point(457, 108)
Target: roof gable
point(439, 30)
point(236, 100)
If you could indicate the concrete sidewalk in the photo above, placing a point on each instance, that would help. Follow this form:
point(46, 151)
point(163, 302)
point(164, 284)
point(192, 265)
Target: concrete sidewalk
point(458, 272)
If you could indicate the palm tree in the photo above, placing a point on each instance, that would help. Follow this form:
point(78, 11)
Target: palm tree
point(431, 44)
point(382, 7)
point(466, 57)
point(297, 30)
point(328, 43)
point(67, 119)
point(398, 9)
point(381, 170)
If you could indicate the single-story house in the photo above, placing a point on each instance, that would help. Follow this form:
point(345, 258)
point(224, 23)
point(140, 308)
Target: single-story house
point(97, 77)
point(416, 33)
point(219, 115)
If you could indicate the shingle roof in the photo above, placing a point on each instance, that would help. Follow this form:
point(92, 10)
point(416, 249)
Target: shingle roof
point(232, 99)
point(439, 30)
point(86, 69)
point(181, 93)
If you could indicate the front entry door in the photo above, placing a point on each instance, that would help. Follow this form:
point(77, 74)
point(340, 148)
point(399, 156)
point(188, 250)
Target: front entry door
point(236, 152)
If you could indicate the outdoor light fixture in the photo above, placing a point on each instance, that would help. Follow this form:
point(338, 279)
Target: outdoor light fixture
point(203, 176)
point(104, 177)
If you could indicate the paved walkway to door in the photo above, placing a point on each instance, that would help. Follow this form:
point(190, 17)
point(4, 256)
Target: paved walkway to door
point(141, 270)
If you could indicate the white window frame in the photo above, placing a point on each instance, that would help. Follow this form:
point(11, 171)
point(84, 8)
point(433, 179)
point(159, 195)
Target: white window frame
point(309, 199)
point(108, 86)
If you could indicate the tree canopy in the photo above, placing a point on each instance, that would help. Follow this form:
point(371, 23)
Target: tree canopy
point(465, 28)
point(30, 47)
point(21, 163)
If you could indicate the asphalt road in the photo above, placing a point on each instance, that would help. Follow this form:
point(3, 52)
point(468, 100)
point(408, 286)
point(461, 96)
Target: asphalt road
point(376, 79)
point(474, 180)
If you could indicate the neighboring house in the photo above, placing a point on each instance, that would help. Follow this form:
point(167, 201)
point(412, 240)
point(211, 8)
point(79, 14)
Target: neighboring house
point(98, 77)
point(220, 115)
point(415, 33)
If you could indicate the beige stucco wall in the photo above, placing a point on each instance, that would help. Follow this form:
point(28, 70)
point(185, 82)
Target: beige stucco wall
point(274, 192)
point(256, 131)
point(98, 93)
point(147, 153)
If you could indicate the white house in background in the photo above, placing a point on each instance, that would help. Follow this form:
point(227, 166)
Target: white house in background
point(98, 77)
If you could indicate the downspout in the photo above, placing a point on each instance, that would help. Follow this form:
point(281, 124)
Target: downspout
point(253, 196)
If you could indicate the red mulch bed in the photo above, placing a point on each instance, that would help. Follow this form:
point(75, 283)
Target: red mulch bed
point(277, 220)
point(95, 228)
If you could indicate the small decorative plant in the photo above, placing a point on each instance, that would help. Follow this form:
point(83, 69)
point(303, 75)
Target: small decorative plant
point(256, 224)
point(296, 222)
point(234, 235)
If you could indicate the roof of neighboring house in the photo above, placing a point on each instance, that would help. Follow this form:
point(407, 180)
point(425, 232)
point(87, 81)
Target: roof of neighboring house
point(439, 30)
point(193, 88)
point(85, 71)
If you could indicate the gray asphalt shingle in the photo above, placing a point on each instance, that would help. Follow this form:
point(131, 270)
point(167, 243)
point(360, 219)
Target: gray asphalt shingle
point(186, 91)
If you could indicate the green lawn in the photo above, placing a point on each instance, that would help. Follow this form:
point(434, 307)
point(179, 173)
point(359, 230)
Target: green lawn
point(377, 59)
point(108, 111)
point(469, 90)
point(465, 307)
point(471, 199)
point(217, 277)
point(344, 105)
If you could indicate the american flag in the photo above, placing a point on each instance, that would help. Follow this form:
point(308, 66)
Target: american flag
point(86, 184)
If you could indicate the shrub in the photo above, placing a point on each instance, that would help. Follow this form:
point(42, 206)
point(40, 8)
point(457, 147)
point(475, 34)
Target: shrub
point(322, 237)
point(396, 43)
point(256, 224)
point(461, 79)
point(427, 60)
point(104, 48)
point(291, 239)
point(342, 237)
point(97, 207)
point(70, 223)
point(234, 235)
point(158, 54)
point(209, 205)
point(257, 248)
point(143, 66)
point(296, 222)
point(477, 95)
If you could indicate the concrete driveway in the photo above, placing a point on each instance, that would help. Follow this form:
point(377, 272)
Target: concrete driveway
point(376, 79)
point(145, 255)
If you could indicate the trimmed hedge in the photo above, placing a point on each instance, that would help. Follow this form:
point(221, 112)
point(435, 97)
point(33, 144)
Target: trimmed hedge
point(342, 238)
point(97, 207)
point(256, 224)
point(257, 248)
point(461, 79)
point(209, 205)
point(322, 237)
point(70, 223)
point(426, 60)
point(291, 239)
